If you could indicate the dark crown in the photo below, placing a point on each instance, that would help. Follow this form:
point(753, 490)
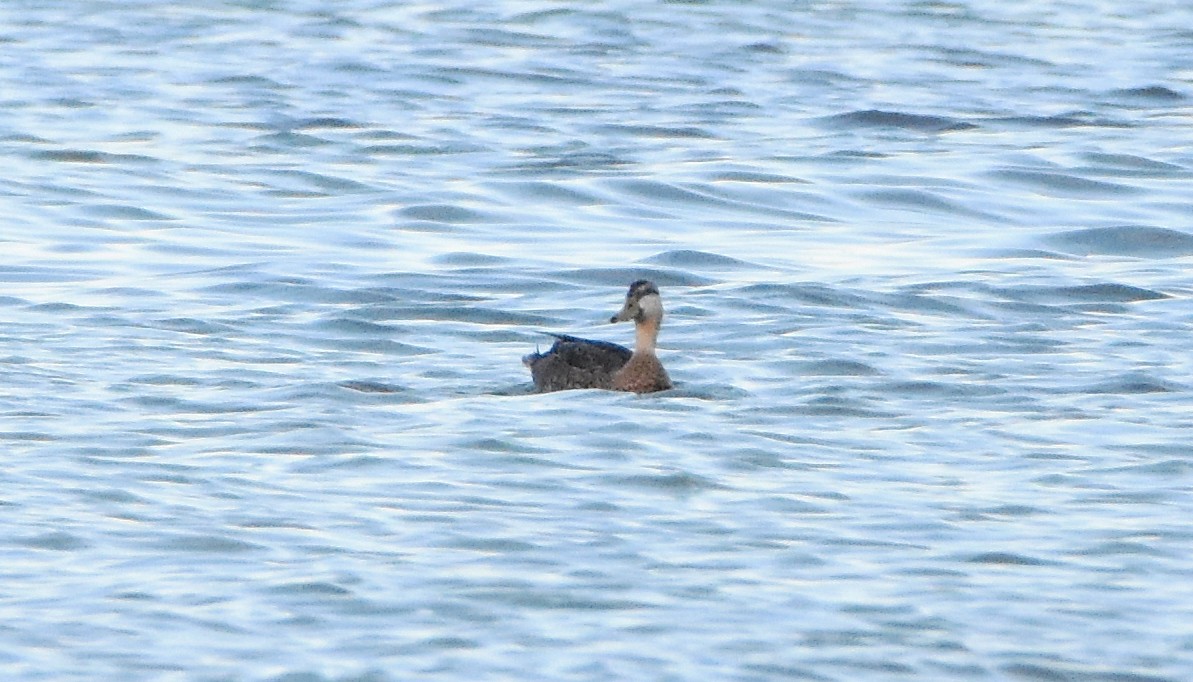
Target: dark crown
point(642, 288)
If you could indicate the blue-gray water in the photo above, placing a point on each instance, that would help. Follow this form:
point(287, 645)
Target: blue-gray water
point(269, 270)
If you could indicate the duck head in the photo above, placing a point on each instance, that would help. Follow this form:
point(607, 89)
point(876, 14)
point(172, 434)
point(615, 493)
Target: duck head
point(642, 303)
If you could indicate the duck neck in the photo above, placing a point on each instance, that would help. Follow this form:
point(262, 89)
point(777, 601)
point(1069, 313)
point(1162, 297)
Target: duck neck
point(646, 334)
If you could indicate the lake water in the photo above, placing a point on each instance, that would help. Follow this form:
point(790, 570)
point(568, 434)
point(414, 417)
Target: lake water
point(269, 270)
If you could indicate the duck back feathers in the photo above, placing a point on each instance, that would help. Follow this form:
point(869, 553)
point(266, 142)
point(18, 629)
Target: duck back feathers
point(572, 362)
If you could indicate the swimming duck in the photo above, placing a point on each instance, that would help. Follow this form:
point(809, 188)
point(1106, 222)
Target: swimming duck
point(573, 362)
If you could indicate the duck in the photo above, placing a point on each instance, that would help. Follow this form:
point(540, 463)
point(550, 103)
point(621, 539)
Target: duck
point(573, 362)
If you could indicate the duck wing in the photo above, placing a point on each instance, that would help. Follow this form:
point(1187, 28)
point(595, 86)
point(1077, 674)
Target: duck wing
point(573, 362)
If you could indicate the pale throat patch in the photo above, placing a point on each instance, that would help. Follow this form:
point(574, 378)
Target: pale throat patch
point(651, 306)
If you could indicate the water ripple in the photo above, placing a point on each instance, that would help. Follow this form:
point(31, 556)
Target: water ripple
point(1140, 241)
point(270, 270)
point(922, 123)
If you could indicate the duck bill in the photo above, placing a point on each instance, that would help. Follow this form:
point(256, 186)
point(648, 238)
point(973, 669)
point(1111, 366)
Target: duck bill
point(622, 315)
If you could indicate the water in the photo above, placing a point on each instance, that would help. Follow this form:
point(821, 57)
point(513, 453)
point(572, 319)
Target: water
point(270, 268)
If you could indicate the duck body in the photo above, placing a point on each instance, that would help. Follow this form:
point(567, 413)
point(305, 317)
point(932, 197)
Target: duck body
point(573, 362)
point(642, 374)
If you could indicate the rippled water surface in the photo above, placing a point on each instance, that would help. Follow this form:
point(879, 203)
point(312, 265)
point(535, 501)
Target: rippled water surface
point(269, 270)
